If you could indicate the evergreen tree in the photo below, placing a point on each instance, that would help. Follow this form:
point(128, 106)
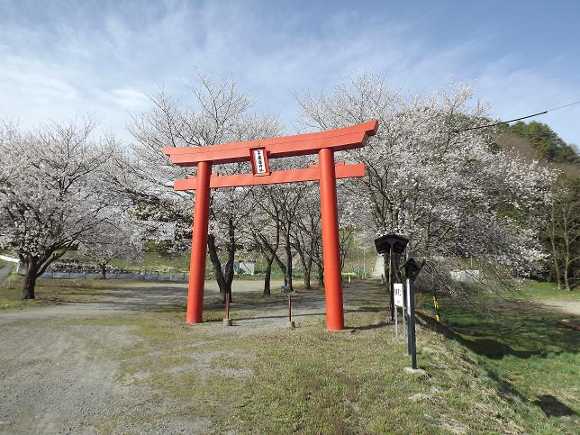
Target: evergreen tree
point(546, 142)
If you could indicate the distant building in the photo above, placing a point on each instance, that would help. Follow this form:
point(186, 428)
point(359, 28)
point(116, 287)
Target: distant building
point(379, 269)
point(467, 276)
point(244, 267)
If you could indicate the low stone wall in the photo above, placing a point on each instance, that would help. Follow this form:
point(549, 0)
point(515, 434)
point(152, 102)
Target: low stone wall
point(140, 276)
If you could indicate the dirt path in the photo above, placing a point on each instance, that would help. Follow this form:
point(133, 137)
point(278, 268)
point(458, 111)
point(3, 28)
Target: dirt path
point(55, 379)
point(571, 307)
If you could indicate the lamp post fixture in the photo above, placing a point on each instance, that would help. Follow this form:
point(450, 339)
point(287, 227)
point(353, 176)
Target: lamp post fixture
point(393, 245)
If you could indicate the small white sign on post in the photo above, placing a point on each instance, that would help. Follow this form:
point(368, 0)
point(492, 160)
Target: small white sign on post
point(398, 292)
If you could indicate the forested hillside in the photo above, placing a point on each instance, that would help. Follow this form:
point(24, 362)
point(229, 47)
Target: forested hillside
point(561, 236)
point(544, 141)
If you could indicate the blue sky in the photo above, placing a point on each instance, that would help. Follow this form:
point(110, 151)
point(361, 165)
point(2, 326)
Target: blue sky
point(61, 60)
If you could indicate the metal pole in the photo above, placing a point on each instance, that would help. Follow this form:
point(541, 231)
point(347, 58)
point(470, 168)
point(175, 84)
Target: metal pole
point(330, 242)
point(396, 322)
point(404, 310)
point(406, 306)
point(391, 291)
point(408, 313)
point(289, 308)
point(412, 337)
point(198, 245)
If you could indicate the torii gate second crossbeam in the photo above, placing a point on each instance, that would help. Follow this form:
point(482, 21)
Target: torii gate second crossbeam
point(258, 153)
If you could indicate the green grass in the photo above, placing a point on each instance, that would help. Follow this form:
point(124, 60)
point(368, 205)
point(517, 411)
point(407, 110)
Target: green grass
point(309, 381)
point(11, 299)
point(524, 345)
point(53, 291)
point(507, 363)
point(180, 263)
point(547, 290)
point(11, 293)
point(490, 379)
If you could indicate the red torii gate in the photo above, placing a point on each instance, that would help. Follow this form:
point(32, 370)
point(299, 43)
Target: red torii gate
point(258, 152)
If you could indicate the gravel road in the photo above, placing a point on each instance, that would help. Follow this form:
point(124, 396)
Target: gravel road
point(55, 380)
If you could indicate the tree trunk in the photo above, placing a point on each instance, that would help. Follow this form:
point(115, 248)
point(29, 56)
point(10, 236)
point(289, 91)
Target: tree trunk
point(307, 278)
point(270, 251)
point(217, 265)
point(306, 266)
point(282, 267)
point(567, 269)
point(268, 277)
point(555, 253)
point(29, 282)
point(36, 266)
point(566, 280)
point(229, 272)
point(104, 271)
point(566, 211)
point(308, 274)
point(288, 249)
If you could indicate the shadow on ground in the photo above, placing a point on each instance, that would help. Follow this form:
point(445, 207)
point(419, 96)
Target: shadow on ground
point(521, 330)
point(516, 328)
point(552, 407)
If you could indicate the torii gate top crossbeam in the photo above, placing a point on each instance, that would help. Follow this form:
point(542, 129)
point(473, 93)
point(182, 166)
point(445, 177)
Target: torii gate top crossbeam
point(283, 146)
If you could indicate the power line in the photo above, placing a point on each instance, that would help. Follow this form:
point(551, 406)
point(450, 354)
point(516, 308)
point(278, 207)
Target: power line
point(519, 119)
point(565, 105)
point(502, 122)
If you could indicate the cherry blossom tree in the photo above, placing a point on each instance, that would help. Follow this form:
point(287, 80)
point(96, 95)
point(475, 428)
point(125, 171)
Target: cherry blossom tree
point(306, 236)
point(264, 231)
point(220, 113)
point(449, 189)
point(117, 237)
point(52, 194)
point(282, 206)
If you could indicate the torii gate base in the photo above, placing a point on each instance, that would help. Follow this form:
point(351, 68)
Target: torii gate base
point(258, 152)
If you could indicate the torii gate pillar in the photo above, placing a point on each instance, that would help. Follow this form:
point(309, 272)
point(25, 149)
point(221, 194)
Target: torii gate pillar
point(198, 245)
point(330, 242)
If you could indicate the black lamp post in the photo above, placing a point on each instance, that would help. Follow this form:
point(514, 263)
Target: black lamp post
point(412, 269)
point(393, 245)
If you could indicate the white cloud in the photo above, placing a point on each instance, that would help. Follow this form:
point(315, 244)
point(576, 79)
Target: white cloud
point(129, 99)
point(517, 91)
point(106, 62)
